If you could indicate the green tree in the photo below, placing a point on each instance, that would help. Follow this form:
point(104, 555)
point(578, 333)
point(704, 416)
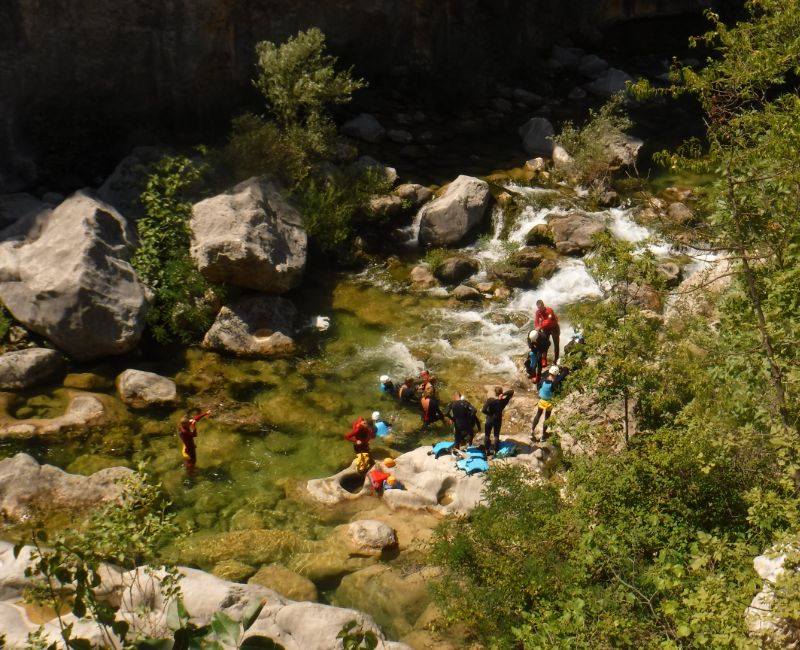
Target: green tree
point(749, 94)
point(300, 84)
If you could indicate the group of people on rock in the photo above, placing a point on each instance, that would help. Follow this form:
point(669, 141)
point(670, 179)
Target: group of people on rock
point(422, 393)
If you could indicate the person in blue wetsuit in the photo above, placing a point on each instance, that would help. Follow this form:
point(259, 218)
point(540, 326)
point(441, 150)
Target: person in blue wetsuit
point(387, 386)
point(545, 405)
point(381, 428)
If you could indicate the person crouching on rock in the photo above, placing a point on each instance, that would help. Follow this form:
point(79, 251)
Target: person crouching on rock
point(187, 430)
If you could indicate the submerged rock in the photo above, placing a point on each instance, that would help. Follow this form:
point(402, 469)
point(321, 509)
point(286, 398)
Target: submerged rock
point(451, 218)
point(257, 326)
point(140, 389)
point(250, 236)
point(370, 537)
point(68, 278)
point(466, 294)
point(83, 409)
point(286, 582)
point(26, 368)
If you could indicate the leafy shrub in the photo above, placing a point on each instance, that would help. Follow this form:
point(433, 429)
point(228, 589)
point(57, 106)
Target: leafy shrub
point(435, 257)
point(591, 145)
point(184, 300)
point(333, 209)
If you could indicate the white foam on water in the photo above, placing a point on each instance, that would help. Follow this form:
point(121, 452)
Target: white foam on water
point(622, 226)
point(394, 358)
point(570, 284)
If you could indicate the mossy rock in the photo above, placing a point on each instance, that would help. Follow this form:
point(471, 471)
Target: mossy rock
point(254, 547)
point(280, 443)
point(91, 463)
point(233, 571)
point(87, 381)
point(326, 563)
point(246, 519)
point(286, 582)
point(395, 600)
point(513, 276)
point(540, 235)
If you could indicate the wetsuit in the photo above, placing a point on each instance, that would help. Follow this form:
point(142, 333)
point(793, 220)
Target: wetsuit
point(407, 394)
point(545, 406)
point(493, 410)
point(188, 432)
point(464, 417)
point(382, 429)
point(389, 389)
point(360, 435)
point(539, 350)
point(431, 412)
point(547, 321)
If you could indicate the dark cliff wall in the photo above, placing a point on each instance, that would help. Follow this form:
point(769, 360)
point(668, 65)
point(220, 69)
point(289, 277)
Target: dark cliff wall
point(78, 74)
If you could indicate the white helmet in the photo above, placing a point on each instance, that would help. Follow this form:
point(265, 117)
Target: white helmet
point(554, 370)
point(560, 361)
point(384, 379)
point(533, 336)
point(376, 415)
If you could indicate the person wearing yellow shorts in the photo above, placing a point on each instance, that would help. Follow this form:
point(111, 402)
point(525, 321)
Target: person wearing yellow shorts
point(545, 405)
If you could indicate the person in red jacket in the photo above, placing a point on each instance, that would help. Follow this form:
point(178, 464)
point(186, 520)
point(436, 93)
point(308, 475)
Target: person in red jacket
point(360, 434)
point(187, 430)
point(545, 319)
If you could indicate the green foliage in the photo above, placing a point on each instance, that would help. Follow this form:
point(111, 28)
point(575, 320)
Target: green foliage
point(592, 145)
point(183, 305)
point(257, 146)
point(5, 322)
point(299, 83)
point(333, 209)
point(126, 533)
point(435, 257)
point(355, 638)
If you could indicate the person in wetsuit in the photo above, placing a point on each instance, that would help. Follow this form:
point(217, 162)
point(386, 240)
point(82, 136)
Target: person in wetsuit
point(407, 394)
point(545, 404)
point(465, 418)
point(493, 410)
point(431, 411)
point(187, 430)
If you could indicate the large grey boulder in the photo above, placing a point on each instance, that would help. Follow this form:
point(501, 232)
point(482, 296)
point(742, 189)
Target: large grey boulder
point(537, 136)
point(26, 368)
point(370, 537)
point(140, 389)
point(450, 219)
point(250, 236)
point(257, 326)
point(611, 82)
point(364, 127)
point(66, 275)
point(574, 233)
point(28, 488)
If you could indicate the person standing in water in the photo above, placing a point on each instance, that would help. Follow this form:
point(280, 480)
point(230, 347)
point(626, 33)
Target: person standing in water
point(493, 410)
point(187, 430)
point(545, 319)
point(431, 411)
